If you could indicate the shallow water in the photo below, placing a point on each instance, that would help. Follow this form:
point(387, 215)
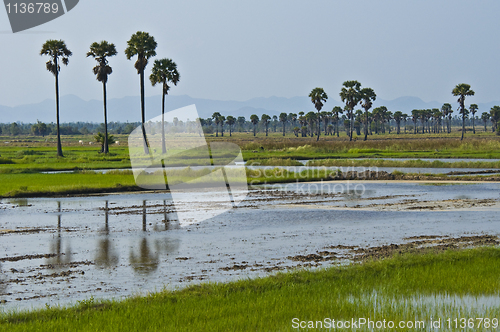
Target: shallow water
point(114, 246)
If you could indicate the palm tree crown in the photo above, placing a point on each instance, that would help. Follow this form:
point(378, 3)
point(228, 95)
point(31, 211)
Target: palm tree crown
point(100, 52)
point(143, 45)
point(164, 71)
point(55, 49)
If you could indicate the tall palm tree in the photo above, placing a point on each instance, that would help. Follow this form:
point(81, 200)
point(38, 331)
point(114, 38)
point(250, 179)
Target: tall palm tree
point(462, 90)
point(100, 52)
point(473, 109)
point(415, 114)
point(56, 49)
point(283, 119)
point(143, 45)
point(254, 118)
point(446, 109)
point(222, 120)
point(318, 97)
point(164, 71)
point(368, 96)
point(351, 95)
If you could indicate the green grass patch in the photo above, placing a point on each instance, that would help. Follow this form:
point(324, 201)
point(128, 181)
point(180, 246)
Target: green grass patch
point(377, 290)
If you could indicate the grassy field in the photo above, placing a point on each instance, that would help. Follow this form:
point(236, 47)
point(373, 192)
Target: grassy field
point(22, 159)
point(412, 287)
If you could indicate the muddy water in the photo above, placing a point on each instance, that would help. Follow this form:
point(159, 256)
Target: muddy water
point(59, 251)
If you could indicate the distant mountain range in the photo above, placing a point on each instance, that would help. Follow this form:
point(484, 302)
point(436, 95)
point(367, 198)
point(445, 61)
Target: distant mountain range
point(75, 109)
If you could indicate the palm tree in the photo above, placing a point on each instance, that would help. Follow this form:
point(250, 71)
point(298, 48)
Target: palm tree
point(368, 96)
point(318, 97)
point(398, 116)
point(100, 52)
point(164, 71)
point(222, 120)
point(283, 119)
point(485, 117)
point(462, 90)
point(473, 110)
point(265, 120)
point(495, 117)
point(311, 119)
point(56, 49)
point(230, 120)
point(337, 110)
point(351, 95)
point(447, 110)
point(143, 45)
point(254, 118)
point(216, 116)
point(415, 114)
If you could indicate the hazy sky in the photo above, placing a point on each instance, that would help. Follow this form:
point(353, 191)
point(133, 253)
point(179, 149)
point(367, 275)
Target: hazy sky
point(237, 50)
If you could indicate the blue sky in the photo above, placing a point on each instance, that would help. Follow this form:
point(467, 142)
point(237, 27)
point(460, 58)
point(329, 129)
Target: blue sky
point(238, 50)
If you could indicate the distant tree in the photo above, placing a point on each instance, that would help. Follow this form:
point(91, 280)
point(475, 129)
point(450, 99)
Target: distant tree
point(398, 116)
point(404, 117)
point(144, 46)
point(447, 111)
point(283, 120)
point(368, 96)
point(216, 116)
point(265, 120)
point(311, 120)
point(230, 120)
point(462, 90)
point(222, 120)
point(39, 129)
point(296, 131)
point(415, 115)
point(163, 72)
point(275, 122)
point(495, 117)
point(485, 117)
point(14, 129)
point(241, 122)
point(100, 52)
point(318, 97)
point(56, 49)
point(254, 118)
point(337, 111)
point(473, 110)
point(351, 95)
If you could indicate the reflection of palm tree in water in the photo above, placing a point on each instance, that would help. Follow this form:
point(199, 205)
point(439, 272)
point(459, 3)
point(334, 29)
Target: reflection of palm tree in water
point(146, 261)
point(56, 245)
point(170, 216)
point(3, 286)
point(106, 257)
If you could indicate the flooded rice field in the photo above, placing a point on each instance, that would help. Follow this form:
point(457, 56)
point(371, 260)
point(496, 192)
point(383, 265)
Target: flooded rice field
point(58, 251)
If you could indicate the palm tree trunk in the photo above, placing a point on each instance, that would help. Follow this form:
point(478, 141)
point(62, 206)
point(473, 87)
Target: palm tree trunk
point(163, 147)
point(366, 124)
point(143, 114)
point(463, 126)
point(351, 125)
point(283, 128)
point(473, 125)
point(106, 148)
point(337, 125)
point(59, 147)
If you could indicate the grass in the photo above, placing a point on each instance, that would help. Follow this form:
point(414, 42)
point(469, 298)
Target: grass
point(409, 287)
point(404, 163)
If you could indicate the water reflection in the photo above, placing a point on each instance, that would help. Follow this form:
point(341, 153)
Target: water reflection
point(146, 261)
point(61, 257)
point(170, 216)
point(106, 255)
point(3, 285)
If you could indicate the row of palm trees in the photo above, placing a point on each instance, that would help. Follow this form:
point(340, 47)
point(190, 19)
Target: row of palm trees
point(142, 45)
